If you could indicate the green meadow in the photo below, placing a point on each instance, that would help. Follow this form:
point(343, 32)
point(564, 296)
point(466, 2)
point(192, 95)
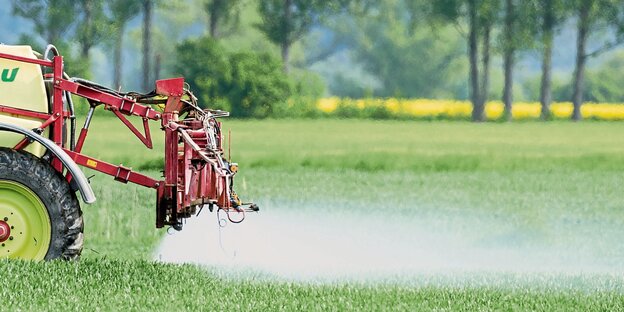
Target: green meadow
point(554, 184)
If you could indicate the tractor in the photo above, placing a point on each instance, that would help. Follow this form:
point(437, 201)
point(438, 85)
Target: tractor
point(41, 154)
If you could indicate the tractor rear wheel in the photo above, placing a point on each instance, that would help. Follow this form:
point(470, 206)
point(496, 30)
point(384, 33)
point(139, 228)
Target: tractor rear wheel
point(40, 217)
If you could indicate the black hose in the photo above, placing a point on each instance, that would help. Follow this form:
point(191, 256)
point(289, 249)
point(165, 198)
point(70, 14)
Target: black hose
point(72, 121)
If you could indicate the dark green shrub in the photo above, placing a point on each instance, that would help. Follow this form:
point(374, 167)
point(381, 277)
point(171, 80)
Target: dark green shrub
point(377, 112)
point(348, 109)
point(247, 84)
point(204, 65)
point(258, 85)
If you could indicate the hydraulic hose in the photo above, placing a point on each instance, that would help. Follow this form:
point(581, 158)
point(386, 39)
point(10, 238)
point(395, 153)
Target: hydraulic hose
point(68, 99)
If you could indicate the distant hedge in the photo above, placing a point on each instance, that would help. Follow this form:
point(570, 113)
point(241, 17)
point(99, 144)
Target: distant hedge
point(429, 109)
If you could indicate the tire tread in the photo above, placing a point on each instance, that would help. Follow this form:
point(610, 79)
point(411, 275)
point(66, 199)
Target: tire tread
point(54, 191)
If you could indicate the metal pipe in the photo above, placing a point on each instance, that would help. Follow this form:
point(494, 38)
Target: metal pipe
point(50, 48)
point(72, 119)
point(89, 116)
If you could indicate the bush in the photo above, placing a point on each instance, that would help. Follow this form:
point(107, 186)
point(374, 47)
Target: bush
point(247, 84)
point(258, 84)
point(307, 87)
point(204, 65)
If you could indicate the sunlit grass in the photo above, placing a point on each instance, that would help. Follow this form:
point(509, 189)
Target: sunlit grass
point(139, 285)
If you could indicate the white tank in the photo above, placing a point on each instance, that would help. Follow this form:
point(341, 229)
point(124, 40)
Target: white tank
point(21, 86)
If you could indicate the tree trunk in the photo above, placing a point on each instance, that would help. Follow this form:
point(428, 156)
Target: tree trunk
point(473, 54)
point(214, 8)
point(147, 41)
point(508, 61)
point(548, 22)
point(546, 87)
point(286, 56)
point(87, 40)
point(157, 67)
point(485, 80)
point(579, 72)
point(508, 89)
point(213, 24)
point(117, 57)
point(286, 43)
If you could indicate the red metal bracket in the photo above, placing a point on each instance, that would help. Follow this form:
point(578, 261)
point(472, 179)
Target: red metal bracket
point(146, 139)
point(45, 63)
point(130, 107)
point(120, 173)
point(170, 87)
point(26, 141)
point(126, 106)
point(23, 112)
point(123, 174)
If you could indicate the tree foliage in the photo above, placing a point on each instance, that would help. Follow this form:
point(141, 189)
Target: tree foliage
point(408, 59)
point(94, 25)
point(222, 13)
point(258, 84)
point(286, 21)
point(604, 83)
point(248, 84)
point(593, 15)
point(52, 19)
point(121, 12)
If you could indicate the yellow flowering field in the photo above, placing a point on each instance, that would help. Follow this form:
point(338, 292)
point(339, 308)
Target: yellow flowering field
point(451, 109)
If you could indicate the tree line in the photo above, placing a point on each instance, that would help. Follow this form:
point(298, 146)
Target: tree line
point(383, 36)
point(521, 23)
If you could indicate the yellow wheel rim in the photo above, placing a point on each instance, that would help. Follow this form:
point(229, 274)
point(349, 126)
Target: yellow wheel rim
point(25, 217)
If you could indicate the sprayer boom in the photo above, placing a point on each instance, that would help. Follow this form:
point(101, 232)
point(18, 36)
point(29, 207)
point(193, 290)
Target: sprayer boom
point(196, 172)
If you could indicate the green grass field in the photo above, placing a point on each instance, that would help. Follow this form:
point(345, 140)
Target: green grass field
point(553, 185)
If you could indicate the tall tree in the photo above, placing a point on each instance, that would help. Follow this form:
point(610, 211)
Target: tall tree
point(220, 13)
point(593, 14)
point(583, 23)
point(509, 56)
point(93, 26)
point(284, 22)
point(480, 17)
point(52, 18)
point(473, 52)
point(488, 12)
point(517, 33)
point(148, 6)
point(551, 13)
point(544, 17)
point(121, 12)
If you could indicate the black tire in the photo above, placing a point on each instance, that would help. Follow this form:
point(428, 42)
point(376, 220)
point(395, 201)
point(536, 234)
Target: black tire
point(67, 237)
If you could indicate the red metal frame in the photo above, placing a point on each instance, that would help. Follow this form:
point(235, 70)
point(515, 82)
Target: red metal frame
point(192, 176)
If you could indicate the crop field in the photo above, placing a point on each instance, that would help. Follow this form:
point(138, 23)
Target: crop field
point(431, 109)
point(524, 216)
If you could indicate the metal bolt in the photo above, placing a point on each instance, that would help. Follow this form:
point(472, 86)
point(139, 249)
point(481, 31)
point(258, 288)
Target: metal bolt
point(10, 237)
point(6, 219)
